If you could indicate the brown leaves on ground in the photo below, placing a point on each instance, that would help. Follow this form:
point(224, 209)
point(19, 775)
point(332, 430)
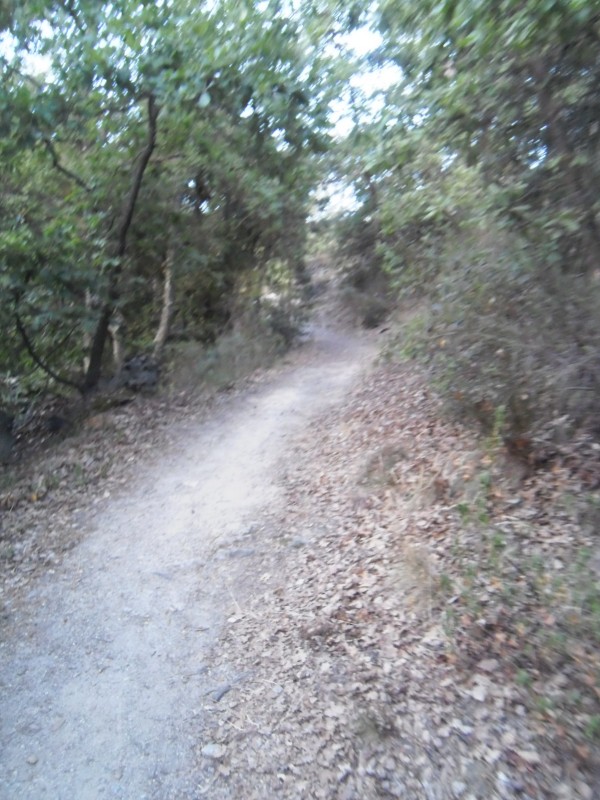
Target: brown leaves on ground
point(47, 492)
point(428, 625)
point(425, 623)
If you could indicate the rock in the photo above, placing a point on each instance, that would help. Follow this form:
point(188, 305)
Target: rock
point(530, 756)
point(508, 787)
point(32, 760)
point(479, 692)
point(298, 542)
point(585, 791)
point(221, 691)
point(489, 665)
point(509, 738)
point(241, 552)
point(216, 752)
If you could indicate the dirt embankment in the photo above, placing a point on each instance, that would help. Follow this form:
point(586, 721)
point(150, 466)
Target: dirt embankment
point(432, 633)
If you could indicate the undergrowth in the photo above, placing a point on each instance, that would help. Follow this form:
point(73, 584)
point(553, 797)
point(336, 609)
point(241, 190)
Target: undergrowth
point(528, 593)
point(496, 335)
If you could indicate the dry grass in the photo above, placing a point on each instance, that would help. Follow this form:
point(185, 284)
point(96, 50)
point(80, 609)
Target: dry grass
point(234, 356)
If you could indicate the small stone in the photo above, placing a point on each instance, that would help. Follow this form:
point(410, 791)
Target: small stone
point(509, 738)
point(489, 665)
point(530, 756)
point(492, 756)
point(507, 786)
point(345, 770)
point(461, 727)
point(57, 724)
point(479, 692)
point(585, 791)
point(458, 788)
point(220, 692)
point(434, 637)
point(32, 760)
point(214, 751)
point(298, 542)
point(241, 552)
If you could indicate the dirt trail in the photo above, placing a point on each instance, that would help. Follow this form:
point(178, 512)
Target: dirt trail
point(103, 676)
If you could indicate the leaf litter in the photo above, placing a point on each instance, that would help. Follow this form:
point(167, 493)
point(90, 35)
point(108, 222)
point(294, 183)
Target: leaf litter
point(417, 631)
point(420, 625)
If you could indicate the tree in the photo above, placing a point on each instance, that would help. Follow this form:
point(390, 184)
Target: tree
point(478, 179)
point(149, 129)
point(513, 88)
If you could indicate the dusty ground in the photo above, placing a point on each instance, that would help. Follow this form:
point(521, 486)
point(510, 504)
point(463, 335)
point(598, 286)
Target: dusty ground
point(318, 588)
point(104, 667)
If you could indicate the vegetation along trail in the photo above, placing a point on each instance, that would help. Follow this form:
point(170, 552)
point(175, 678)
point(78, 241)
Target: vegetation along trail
point(318, 587)
point(103, 672)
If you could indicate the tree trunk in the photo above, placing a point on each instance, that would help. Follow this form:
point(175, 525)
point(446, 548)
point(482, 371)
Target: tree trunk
point(167, 303)
point(94, 370)
point(115, 328)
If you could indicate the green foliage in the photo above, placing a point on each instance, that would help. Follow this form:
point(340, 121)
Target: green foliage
point(478, 180)
point(159, 128)
point(511, 87)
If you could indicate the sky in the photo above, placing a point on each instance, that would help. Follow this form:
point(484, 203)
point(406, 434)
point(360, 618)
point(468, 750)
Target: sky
point(339, 196)
point(370, 83)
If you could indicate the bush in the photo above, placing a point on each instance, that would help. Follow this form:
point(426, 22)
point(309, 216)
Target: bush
point(513, 340)
point(365, 284)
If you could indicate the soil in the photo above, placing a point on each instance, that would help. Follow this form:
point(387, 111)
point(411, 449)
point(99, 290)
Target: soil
point(106, 659)
point(316, 586)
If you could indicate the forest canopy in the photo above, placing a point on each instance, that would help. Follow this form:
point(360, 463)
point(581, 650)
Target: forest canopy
point(159, 162)
point(151, 155)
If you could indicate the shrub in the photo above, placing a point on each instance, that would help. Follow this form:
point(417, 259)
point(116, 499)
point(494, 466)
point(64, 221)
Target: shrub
point(365, 285)
point(507, 334)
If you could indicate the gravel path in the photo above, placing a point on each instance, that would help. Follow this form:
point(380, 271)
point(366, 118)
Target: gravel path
point(104, 670)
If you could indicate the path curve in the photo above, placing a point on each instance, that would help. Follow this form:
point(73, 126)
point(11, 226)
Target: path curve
point(104, 676)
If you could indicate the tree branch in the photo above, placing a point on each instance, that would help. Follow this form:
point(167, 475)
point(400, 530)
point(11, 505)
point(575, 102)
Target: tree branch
point(123, 224)
point(57, 165)
point(43, 366)
point(143, 158)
